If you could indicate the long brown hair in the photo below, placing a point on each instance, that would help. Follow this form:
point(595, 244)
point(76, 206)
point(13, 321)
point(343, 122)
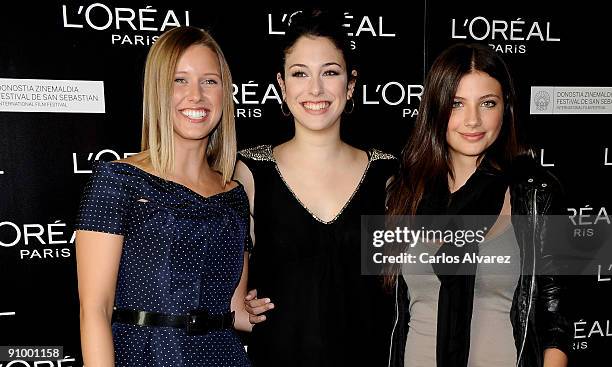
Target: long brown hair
point(426, 158)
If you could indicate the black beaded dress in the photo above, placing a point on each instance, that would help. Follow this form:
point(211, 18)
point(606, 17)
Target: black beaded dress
point(326, 313)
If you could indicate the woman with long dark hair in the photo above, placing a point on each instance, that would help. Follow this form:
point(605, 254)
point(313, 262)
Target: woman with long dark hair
point(307, 197)
point(465, 158)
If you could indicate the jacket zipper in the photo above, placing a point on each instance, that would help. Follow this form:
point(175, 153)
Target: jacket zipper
point(394, 322)
point(535, 216)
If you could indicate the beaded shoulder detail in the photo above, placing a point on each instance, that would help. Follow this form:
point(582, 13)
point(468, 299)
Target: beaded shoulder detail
point(376, 154)
point(258, 153)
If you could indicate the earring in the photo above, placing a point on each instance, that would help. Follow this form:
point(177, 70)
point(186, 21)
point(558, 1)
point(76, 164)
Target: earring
point(286, 114)
point(349, 111)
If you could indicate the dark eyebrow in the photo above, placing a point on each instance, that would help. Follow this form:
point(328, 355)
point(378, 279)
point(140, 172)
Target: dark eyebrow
point(332, 64)
point(326, 64)
point(483, 97)
point(490, 95)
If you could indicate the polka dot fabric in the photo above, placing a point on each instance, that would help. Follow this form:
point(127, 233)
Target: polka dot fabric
point(181, 252)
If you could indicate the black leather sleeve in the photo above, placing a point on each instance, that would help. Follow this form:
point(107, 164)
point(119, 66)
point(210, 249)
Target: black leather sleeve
point(553, 327)
point(400, 330)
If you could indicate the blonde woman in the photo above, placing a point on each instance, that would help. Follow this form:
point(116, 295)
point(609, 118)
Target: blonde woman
point(162, 235)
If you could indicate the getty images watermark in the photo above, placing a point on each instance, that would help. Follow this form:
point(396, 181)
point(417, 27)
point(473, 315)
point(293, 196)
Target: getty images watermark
point(411, 238)
point(460, 245)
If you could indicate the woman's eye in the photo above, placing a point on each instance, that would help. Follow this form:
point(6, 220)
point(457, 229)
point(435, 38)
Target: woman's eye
point(489, 104)
point(456, 104)
point(298, 74)
point(180, 80)
point(210, 82)
point(331, 73)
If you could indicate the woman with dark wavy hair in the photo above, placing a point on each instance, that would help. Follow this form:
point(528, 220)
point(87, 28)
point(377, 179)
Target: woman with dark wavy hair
point(465, 158)
point(307, 197)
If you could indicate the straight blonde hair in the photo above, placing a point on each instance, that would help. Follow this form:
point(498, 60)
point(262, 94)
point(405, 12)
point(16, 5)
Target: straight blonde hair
point(157, 128)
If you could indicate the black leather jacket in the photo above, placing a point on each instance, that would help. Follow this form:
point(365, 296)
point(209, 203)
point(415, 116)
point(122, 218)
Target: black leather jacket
point(534, 193)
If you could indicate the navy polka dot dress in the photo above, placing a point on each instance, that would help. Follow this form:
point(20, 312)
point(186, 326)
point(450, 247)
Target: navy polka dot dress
point(181, 252)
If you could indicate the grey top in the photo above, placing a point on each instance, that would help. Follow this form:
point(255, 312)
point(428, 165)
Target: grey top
point(491, 339)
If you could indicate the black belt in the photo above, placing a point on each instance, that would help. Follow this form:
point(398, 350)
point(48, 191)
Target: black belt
point(195, 322)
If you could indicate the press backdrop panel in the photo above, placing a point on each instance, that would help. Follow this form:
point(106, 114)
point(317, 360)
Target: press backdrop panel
point(74, 69)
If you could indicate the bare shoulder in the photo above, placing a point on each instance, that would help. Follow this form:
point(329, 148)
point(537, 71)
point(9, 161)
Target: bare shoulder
point(357, 152)
point(242, 171)
point(243, 174)
point(357, 156)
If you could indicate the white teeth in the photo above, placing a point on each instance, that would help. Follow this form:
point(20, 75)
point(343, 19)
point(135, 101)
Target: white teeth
point(315, 106)
point(194, 114)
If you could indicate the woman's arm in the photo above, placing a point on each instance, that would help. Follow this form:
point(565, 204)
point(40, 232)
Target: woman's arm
point(241, 320)
point(551, 324)
point(97, 256)
point(243, 174)
point(251, 304)
point(554, 357)
point(551, 321)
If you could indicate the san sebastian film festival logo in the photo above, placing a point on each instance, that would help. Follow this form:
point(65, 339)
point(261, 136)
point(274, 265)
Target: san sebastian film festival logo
point(47, 95)
point(392, 93)
point(559, 100)
point(541, 100)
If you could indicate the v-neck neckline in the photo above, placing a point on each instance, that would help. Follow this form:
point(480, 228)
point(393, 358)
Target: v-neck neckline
point(186, 188)
point(301, 203)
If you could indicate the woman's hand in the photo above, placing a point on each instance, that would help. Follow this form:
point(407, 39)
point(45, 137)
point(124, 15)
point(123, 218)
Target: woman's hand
point(256, 306)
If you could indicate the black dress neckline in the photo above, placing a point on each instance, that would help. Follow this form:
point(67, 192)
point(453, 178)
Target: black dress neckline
point(301, 203)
